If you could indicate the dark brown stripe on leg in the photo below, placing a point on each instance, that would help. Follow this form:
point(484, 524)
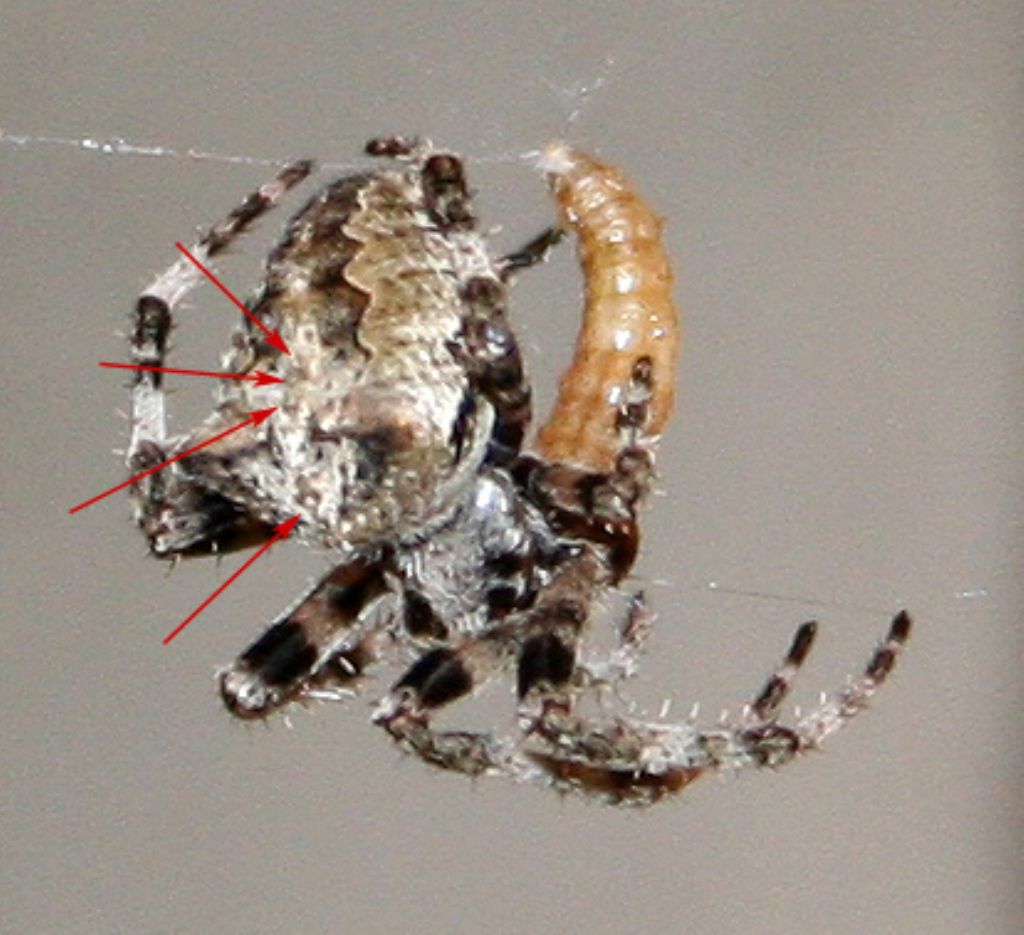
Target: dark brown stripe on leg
point(284, 660)
point(267, 673)
point(255, 205)
point(149, 340)
point(445, 195)
point(421, 620)
point(546, 662)
point(437, 678)
point(281, 655)
point(767, 703)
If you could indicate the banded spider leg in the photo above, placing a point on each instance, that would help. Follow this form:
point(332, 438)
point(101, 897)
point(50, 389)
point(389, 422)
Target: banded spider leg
point(637, 763)
point(321, 645)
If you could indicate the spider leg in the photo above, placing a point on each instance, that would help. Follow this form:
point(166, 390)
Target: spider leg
point(638, 763)
point(489, 349)
point(321, 644)
point(595, 506)
point(437, 678)
point(156, 305)
point(599, 511)
point(178, 517)
point(623, 661)
point(531, 253)
point(547, 658)
point(765, 707)
point(589, 507)
point(544, 640)
point(836, 709)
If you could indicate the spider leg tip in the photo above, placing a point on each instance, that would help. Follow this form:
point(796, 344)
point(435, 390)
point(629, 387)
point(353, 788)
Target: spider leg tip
point(802, 642)
point(901, 626)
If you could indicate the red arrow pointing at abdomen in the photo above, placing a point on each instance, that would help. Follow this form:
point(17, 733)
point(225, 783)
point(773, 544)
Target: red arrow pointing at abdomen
point(257, 376)
point(272, 336)
point(255, 418)
point(283, 531)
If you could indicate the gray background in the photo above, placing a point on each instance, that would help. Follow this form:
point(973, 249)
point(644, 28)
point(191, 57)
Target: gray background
point(842, 184)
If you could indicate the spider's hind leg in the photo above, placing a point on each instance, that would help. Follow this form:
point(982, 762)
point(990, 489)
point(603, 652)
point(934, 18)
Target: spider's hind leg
point(841, 706)
point(767, 703)
point(638, 763)
point(154, 310)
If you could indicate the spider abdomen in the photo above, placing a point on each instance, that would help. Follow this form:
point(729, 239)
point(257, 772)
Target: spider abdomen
point(377, 433)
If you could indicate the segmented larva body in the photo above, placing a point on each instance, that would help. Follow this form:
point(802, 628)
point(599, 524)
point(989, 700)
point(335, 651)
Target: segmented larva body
point(629, 318)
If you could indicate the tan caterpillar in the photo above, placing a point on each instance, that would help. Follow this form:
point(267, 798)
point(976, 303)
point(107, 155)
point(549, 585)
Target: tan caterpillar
point(629, 317)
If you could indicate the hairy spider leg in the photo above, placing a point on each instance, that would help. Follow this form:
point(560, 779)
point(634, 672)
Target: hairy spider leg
point(623, 660)
point(437, 678)
point(489, 349)
point(177, 516)
point(837, 708)
point(768, 702)
point(323, 643)
point(491, 353)
point(637, 763)
point(598, 513)
point(447, 674)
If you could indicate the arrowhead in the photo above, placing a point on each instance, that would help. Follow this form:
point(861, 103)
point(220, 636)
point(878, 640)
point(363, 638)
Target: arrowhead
point(259, 416)
point(284, 530)
point(275, 339)
point(264, 379)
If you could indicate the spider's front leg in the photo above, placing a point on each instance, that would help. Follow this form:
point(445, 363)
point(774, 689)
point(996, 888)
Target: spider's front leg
point(320, 646)
point(176, 513)
point(490, 353)
point(597, 513)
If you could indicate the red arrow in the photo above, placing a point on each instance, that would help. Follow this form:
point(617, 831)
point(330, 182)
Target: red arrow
point(255, 418)
point(257, 376)
point(283, 531)
point(272, 336)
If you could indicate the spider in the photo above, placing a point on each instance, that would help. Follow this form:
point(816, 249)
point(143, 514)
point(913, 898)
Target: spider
point(398, 441)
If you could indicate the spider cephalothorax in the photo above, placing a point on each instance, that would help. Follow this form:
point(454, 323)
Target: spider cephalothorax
point(397, 439)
